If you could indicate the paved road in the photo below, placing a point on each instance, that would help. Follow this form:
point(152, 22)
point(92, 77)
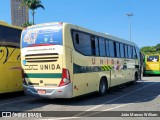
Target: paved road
point(144, 96)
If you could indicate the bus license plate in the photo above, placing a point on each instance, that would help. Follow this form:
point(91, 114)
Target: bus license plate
point(41, 91)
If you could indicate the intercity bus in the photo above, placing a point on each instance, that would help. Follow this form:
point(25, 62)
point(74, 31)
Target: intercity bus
point(61, 60)
point(10, 63)
point(152, 64)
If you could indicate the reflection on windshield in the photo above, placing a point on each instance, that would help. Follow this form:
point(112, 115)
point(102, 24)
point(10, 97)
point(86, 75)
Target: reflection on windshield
point(42, 35)
point(154, 58)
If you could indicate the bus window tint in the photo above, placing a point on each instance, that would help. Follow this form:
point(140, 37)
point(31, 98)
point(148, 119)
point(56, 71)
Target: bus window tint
point(154, 58)
point(126, 51)
point(122, 50)
point(134, 53)
point(129, 52)
point(95, 50)
point(8, 34)
point(102, 47)
point(117, 50)
point(77, 38)
point(111, 49)
point(84, 44)
point(107, 48)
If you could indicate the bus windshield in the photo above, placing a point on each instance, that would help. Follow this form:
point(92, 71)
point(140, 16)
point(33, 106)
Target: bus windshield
point(42, 35)
point(153, 58)
point(9, 36)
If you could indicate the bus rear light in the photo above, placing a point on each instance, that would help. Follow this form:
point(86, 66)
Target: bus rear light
point(37, 45)
point(65, 78)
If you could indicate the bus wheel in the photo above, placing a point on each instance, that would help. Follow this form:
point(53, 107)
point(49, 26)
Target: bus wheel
point(135, 79)
point(103, 86)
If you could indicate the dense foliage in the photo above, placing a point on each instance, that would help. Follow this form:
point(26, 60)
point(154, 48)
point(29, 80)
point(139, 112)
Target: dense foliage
point(26, 24)
point(151, 49)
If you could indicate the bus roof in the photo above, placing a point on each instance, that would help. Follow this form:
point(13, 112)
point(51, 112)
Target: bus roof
point(88, 31)
point(8, 25)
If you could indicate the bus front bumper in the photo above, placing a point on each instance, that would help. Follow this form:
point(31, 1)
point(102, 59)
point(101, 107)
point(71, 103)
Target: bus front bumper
point(152, 72)
point(58, 92)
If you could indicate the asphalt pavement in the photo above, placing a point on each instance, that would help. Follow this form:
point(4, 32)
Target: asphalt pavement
point(140, 101)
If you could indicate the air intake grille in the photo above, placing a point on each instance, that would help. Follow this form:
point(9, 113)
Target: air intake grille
point(49, 57)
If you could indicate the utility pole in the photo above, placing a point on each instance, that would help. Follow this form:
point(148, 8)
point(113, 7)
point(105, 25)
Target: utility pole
point(129, 15)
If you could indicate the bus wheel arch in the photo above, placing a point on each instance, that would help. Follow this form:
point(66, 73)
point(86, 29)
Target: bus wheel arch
point(103, 86)
point(135, 78)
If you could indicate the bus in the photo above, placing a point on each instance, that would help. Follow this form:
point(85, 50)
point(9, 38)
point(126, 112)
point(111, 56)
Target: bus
point(62, 60)
point(152, 64)
point(10, 63)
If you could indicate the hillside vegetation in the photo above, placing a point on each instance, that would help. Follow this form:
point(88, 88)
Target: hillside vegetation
point(151, 49)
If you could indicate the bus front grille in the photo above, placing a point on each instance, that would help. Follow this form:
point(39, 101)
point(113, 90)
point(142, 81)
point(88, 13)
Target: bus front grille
point(49, 57)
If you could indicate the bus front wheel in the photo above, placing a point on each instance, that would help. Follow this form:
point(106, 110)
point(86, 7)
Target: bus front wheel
point(103, 86)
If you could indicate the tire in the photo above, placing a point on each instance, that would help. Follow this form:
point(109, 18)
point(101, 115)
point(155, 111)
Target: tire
point(135, 79)
point(141, 74)
point(103, 86)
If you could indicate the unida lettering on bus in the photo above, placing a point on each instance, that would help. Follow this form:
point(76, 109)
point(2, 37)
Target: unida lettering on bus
point(108, 64)
point(105, 61)
point(50, 67)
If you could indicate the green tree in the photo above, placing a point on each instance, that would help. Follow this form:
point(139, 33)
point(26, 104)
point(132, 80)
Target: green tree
point(158, 47)
point(151, 49)
point(26, 24)
point(32, 5)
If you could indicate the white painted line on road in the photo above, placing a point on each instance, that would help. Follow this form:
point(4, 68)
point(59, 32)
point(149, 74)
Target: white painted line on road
point(113, 99)
point(78, 115)
point(108, 109)
point(15, 101)
point(120, 106)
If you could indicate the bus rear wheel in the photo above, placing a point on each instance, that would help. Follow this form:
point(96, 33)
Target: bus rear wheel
point(103, 86)
point(135, 79)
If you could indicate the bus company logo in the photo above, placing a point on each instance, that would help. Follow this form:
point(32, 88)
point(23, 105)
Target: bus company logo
point(31, 67)
point(50, 67)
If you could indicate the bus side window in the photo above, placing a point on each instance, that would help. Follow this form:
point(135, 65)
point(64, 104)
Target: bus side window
point(82, 43)
point(77, 38)
point(102, 47)
point(111, 48)
point(134, 53)
point(107, 48)
point(129, 52)
point(122, 50)
point(126, 51)
point(117, 49)
point(94, 44)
